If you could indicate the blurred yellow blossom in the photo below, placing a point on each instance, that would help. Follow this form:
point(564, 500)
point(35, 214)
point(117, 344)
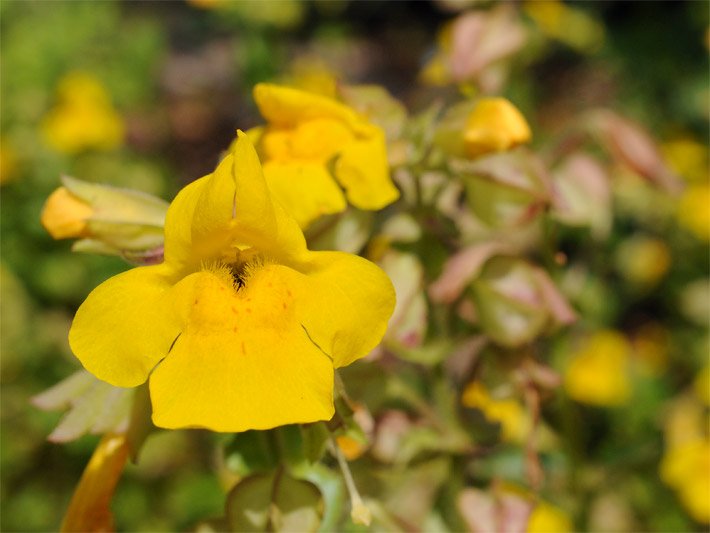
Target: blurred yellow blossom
point(686, 468)
point(685, 465)
point(494, 125)
point(569, 25)
point(694, 210)
point(546, 518)
point(508, 412)
point(688, 158)
point(307, 135)
point(239, 314)
point(83, 118)
point(597, 374)
point(643, 260)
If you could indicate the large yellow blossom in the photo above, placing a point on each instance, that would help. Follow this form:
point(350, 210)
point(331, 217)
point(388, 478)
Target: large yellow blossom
point(241, 326)
point(314, 145)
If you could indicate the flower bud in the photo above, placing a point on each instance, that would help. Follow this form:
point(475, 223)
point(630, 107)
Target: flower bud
point(494, 125)
point(108, 220)
point(475, 128)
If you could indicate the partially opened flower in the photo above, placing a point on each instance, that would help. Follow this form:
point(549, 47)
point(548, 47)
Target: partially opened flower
point(314, 145)
point(241, 326)
point(107, 220)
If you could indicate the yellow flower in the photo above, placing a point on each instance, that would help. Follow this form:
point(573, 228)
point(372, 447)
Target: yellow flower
point(597, 374)
point(546, 518)
point(508, 412)
point(306, 134)
point(687, 158)
point(643, 260)
point(686, 468)
point(83, 118)
point(694, 210)
point(571, 26)
point(241, 326)
point(494, 125)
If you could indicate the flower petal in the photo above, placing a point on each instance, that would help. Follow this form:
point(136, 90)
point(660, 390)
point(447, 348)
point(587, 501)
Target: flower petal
point(363, 171)
point(231, 205)
point(285, 106)
point(306, 190)
point(348, 305)
point(243, 360)
point(125, 326)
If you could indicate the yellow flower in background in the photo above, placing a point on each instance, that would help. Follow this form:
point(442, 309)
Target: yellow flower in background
point(241, 326)
point(83, 118)
point(694, 210)
point(686, 468)
point(569, 25)
point(494, 125)
point(546, 518)
point(598, 373)
point(508, 412)
point(307, 135)
point(688, 158)
point(643, 260)
point(685, 465)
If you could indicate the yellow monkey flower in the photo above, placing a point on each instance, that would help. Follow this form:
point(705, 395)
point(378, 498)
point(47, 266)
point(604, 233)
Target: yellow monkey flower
point(84, 118)
point(241, 326)
point(314, 145)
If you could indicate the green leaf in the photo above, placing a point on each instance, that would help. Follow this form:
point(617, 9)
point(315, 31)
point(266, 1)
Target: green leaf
point(331, 487)
point(248, 503)
point(274, 501)
point(249, 452)
point(298, 505)
point(315, 440)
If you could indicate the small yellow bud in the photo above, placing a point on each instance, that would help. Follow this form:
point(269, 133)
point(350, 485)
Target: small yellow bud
point(494, 125)
point(64, 215)
point(107, 220)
